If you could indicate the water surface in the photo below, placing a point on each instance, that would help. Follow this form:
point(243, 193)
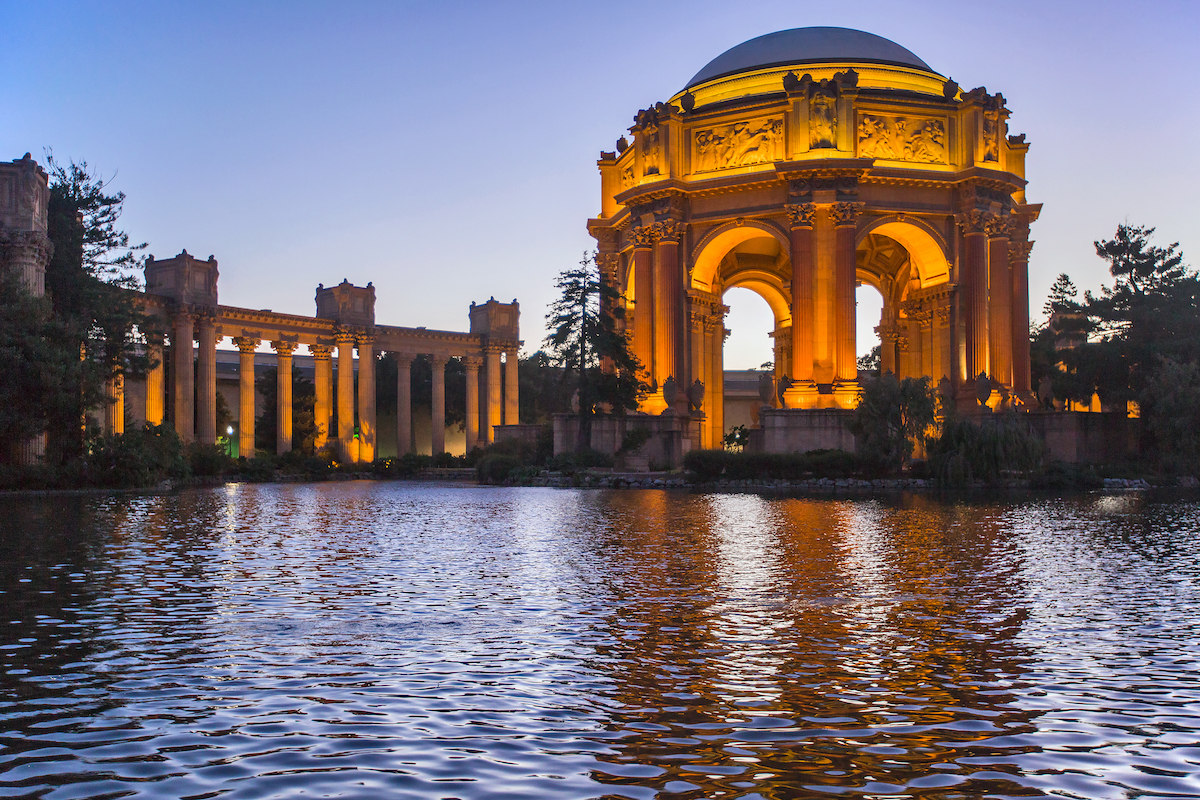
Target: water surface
point(372, 640)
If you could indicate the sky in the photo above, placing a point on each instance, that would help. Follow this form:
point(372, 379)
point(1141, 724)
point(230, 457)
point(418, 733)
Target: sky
point(446, 151)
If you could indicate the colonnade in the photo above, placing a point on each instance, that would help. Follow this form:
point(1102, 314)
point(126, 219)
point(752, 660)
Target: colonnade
point(193, 389)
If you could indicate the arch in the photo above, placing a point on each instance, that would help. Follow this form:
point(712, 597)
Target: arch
point(767, 286)
point(926, 247)
point(707, 255)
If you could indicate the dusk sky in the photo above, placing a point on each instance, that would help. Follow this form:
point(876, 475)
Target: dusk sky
point(447, 151)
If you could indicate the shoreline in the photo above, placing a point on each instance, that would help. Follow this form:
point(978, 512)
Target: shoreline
point(858, 487)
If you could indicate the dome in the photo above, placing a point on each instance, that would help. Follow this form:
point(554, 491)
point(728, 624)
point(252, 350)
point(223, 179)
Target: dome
point(808, 46)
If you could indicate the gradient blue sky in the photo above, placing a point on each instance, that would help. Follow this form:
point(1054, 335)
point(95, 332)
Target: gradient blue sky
point(447, 151)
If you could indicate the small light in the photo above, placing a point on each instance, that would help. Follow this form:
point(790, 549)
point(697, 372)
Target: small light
point(229, 431)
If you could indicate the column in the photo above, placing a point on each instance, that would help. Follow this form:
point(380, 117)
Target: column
point(1000, 332)
point(246, 346)
point(206, 373)
point(512, 389)
point(366, 398)
point(438, 421)
point(472, 364)
point(803, 392)
point(845, 216)
point(494, 406)
point(643, 304)
point(283, 404)
point(942, 352)
point(1018, 253)
point(668, 307)
point(404, 403)
point(114, 410)
point(975, 297)
point(184, 389)
point(156, 400)
point(323, 386)
point(345, 395)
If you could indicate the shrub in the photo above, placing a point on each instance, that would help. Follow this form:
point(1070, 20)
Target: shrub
point(496, 467)
point(892, 418)
point(259, 469)
point(140, 457)
point(710, 465)
point(208, 459)
point(578, 460)
point(984, 450)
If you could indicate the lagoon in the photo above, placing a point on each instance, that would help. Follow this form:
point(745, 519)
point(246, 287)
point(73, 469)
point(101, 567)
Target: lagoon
point(402, 640)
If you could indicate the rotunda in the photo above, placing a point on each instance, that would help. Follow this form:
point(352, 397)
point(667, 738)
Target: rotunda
point(799, 165)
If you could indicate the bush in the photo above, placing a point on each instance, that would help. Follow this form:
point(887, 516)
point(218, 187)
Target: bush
point(986, 450)
point(496, 467)
point(208, 459)
point(891, 419)
point(579, 460)
point(259, 469)
point(711, 465)
point(1058, 476)
point(137, 458)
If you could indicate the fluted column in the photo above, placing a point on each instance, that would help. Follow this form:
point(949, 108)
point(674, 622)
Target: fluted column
point(975, 294)
point(114, 410)
point(999, 303)
point(155, 385)
point(283, 428)
point(345, 395)
point(246, 346)
point(438, 421)
point(512, 389)
point(403, 402)
point(643, 303)
point(845, 217)
point(366, 398)
point(803, 391)
point(206, 373)
point(494, 402)
point(323, 389)
point(668, 301)
point(472, 365)
point(1018, 253)
point(184, 378)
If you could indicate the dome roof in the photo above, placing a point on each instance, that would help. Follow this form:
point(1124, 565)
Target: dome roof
point(808, 46)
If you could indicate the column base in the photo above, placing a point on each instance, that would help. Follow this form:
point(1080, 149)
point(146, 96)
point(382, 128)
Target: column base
point(845, 393)
point(801, 394)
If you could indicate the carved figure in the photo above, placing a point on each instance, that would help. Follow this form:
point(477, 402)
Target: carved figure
point(627, 174)
point(927, 142)
point(650, 150)
point(822, 119)
point(991, 138)
point(739, 145)
point(875, 137)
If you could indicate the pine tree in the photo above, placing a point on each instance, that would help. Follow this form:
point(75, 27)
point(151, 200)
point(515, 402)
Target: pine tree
point(586, 343)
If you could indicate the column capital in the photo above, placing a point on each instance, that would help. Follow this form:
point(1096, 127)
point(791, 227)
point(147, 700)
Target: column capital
point(472, 362)
point(246, 344)
point(364, 339)
point(438, 360)
point(668, 231)
point(1019, 251)
point(183, 313)
point(402, 358)
point(845, 214)
point(320, 352)
point(800, 215)
point(998, 227)
point(344, 336)
point(284, 348)
point(974, 221)
point(205, 317)
point(643, 238)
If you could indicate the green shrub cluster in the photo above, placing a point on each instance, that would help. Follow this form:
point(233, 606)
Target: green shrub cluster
point(711, 465)
point(987, 450)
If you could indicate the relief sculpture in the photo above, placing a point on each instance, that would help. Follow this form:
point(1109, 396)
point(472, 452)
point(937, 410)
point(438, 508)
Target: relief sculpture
point(822, 119)
point(901, 139)
point(739, 145)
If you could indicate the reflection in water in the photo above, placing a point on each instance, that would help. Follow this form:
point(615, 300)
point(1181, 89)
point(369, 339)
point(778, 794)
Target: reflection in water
point(383, 640)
